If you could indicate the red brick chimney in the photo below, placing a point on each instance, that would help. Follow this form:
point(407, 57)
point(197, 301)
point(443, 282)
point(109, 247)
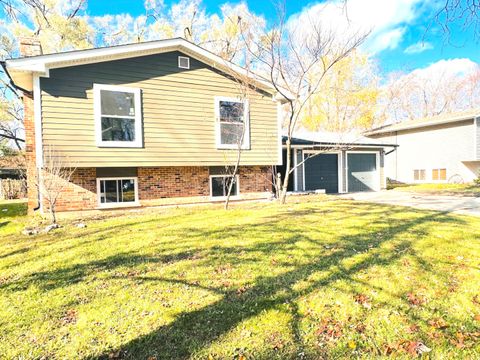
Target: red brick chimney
point(30, 46)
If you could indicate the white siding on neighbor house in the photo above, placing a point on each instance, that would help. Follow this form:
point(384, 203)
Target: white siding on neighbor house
point(450, 146)
point(477, 137)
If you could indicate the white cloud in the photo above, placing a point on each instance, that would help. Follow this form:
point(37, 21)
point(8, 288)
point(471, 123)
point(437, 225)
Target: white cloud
point(386, 21)
point(446, 68)
point(418, 47)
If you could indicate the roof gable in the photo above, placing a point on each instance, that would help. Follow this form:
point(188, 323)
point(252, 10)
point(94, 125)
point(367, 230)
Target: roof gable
point(20, 70)
point(426, 122)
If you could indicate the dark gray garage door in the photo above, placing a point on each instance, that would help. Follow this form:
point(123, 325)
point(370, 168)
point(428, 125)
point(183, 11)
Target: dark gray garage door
point(321, 172)
point(362, 172)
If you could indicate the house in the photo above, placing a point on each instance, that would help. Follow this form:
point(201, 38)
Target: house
point(336, 163)
point(12, 176)
point(145, 124)
point(444, 148)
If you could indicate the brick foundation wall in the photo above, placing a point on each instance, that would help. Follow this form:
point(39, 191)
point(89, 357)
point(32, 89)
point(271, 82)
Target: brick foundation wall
point(187, 181)
point(158, 183)
point(32, 193)
point(80, 193)
point(255, 179)
point(164, 182)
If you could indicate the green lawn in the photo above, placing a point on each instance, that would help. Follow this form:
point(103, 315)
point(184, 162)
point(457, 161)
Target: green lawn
point(442, 189)
point(313, 279)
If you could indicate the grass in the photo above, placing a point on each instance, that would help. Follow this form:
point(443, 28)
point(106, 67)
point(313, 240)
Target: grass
point(442, 189)
point(314, 279)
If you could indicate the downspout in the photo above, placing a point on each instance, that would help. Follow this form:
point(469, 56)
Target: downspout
point(37, 122)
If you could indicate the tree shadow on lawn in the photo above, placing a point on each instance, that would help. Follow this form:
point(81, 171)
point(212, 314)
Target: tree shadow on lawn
point(192, 331)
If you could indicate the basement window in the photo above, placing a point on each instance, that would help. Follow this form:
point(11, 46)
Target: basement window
point(118, 120)
point(219, 185)
point(183, 62)
point(117, 192)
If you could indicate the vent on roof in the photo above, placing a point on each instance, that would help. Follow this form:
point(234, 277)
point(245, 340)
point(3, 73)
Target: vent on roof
point(183, 62)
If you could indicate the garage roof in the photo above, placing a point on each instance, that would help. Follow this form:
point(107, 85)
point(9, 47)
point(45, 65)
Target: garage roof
point(323, 138)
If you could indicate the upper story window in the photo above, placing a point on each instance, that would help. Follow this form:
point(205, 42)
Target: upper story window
point(118, 119)
point(233, 125)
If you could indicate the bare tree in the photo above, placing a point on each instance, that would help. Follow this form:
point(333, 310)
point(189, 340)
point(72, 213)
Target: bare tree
point(53, 178)
point(455, 12)
point(296, 61)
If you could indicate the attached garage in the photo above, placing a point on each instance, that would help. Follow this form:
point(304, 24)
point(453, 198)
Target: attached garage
point(337, 167)
point(362, 172)
point(321, 172)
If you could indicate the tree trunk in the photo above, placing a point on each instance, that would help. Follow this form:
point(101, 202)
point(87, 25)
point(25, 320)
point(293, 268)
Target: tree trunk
point(53, 214)
point(283, 194)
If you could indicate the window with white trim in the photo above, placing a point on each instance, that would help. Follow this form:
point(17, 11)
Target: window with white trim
point(219, 185)
point(118, 116)
point(117, 191)
point(183, 62)
point(233, 126)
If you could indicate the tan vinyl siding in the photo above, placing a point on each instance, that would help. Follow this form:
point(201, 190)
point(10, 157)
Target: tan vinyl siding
point(178, 114)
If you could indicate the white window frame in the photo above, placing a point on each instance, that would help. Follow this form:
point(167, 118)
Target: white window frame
point(118, 204)
point(183, 58)
point(138, 143)
point(232, 196)
point(246, 121)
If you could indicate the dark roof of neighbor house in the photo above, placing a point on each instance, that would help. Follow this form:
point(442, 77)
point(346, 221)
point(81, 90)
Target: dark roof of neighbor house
point(425, 122)
point(11, 166)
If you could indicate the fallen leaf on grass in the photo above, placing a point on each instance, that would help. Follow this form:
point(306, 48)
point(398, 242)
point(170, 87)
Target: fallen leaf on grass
point(415, 300)
point(413, 329)
point(329, 330)
point(363, 300)
point(477, 317)
point(413, 348)
point(70, 317)
point(438, 323)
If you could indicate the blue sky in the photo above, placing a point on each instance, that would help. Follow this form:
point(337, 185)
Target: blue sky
point(412, 23)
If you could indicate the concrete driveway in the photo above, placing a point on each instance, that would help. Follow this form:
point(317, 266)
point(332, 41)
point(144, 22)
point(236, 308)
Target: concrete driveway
point(456, 204)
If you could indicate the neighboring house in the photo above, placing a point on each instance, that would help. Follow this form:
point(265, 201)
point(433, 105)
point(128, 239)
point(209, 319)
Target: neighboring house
point(12, 167)
point(336, 163)
point(444, 148)
point(148, 123)
point(12, 177)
